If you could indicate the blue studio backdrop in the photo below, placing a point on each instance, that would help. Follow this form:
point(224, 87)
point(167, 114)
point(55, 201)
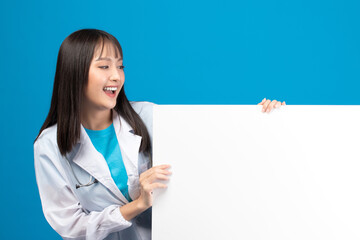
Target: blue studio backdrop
point(175, 52)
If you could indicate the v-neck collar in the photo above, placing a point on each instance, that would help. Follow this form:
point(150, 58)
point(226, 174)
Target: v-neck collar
point(89, 159)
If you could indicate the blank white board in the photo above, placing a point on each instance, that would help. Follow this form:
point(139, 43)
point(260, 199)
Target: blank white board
point(238, 173)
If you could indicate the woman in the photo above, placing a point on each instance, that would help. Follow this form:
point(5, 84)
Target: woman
point(93, 152)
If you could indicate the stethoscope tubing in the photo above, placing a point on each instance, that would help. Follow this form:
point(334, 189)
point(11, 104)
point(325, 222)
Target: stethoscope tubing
point(92, 180)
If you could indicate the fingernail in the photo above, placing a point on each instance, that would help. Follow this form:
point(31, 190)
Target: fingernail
point(263, 110)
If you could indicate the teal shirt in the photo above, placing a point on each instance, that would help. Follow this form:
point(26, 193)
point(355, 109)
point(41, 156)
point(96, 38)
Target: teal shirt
point(106, 143)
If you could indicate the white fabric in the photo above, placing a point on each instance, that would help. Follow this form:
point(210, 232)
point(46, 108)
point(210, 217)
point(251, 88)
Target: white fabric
point(92, 212)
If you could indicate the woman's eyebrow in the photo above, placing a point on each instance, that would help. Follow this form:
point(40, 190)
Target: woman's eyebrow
point(107, 59)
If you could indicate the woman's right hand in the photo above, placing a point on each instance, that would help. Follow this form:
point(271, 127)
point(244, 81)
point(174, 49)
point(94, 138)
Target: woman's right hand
point(149, 180)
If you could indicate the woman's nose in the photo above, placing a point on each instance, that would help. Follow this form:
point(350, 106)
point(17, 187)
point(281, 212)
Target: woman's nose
point(115, 76)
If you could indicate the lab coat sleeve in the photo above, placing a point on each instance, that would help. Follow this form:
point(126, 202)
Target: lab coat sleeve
point(61, 208)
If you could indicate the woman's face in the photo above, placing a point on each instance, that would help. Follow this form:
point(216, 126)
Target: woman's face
point(106, 78)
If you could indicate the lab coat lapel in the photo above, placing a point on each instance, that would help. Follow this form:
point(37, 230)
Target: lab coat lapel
point(129, 144)
point(94, 163)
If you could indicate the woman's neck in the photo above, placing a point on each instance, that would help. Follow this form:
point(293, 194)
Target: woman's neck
point(96, 120)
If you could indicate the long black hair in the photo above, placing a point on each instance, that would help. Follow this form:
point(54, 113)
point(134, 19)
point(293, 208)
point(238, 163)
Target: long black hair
point(71, 78)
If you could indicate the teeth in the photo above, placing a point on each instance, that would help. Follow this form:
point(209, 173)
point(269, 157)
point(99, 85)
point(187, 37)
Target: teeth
point(110, 88)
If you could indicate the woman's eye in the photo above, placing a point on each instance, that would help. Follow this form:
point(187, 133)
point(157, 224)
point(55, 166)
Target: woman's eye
point(106, 67)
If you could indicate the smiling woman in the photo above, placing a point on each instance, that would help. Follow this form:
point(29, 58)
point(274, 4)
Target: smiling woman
point(106, 79)
point(94, 144)
point(93, 153)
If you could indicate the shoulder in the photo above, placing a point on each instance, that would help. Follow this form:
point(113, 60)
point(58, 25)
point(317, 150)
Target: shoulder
point(47, 156)
point(144, 109)
point(48, 135)
point(47, 141)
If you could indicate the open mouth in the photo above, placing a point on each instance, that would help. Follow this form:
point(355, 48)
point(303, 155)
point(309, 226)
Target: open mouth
point(110, 90)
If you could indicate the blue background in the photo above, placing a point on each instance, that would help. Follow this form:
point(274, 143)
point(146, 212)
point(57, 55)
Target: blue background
point(175, 52)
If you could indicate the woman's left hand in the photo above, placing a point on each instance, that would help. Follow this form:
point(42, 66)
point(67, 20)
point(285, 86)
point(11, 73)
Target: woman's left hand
point(268, 105)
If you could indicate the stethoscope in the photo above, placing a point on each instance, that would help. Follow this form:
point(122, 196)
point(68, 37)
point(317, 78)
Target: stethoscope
point(92, 180)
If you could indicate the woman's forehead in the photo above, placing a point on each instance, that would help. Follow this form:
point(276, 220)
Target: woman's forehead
point(106, 49)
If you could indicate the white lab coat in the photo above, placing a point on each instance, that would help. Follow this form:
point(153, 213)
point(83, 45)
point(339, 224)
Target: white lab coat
point(92, 212)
